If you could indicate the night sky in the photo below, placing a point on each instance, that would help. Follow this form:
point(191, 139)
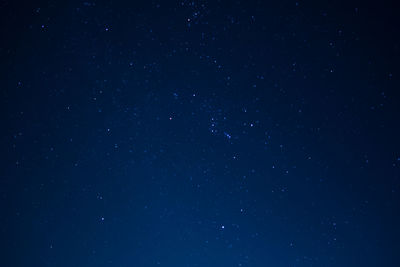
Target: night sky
point(199, 133)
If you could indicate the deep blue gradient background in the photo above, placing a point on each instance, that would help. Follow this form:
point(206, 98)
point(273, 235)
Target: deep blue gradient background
point(199, 133)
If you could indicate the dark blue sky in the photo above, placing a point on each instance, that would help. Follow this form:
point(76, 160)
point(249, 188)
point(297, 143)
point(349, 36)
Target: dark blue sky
point(199, 133)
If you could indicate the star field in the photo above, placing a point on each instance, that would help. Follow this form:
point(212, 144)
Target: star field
point(199, 133)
